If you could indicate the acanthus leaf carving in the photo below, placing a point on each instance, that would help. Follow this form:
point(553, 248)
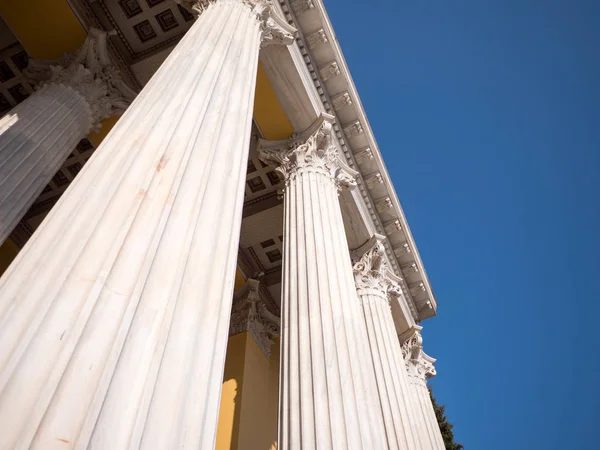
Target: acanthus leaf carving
point(250, 313)
point(371, 271)
point(313, 150)
point(419, 365)
point(274, 29)
point(91, 73)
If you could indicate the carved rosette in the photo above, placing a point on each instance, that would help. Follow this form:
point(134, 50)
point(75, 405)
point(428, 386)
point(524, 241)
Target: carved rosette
point(371, 271)
point(249, 313)
point(274, 29)
point(418, 364)
point(90, 72)
point(313, 150)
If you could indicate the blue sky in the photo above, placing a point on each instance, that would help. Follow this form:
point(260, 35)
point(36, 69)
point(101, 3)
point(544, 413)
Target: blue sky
point(488, 117)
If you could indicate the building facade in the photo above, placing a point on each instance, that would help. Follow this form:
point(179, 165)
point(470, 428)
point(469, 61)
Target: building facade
point(201, 245)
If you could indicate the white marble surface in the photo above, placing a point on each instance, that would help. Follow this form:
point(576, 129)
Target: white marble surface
point(393, 388)
point(326, 373)
point(420, 367)
point(36, 137)
point(114, 317)
point(75, 93)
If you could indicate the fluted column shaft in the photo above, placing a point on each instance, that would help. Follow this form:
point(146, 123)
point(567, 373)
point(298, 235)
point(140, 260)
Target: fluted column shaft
point(36, 137)
point(75, 93)
point(431, 436)
point(374, 286)
point(420, 367)
point(325, 370)
point(392, 380)
point(114, 317)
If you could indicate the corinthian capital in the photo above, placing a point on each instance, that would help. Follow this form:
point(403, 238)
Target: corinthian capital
point(371, 271)
point(418, 364)
point(250, 313)
point(90, 72)
point(275, 30)
point(312, 150)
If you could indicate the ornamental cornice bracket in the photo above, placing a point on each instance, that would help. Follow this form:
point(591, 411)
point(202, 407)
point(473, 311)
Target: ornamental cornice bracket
point(250, 313)
point(274, 29)
point(91, 73)
point(313, 149)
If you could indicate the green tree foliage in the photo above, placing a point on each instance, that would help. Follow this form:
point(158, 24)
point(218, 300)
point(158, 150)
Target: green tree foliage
point(445, 426)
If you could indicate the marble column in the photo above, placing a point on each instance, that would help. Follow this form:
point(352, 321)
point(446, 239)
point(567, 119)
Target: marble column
point(74, 94)
point(114, 317)
point(326, 370)
point(374, 284)
point(420, 367)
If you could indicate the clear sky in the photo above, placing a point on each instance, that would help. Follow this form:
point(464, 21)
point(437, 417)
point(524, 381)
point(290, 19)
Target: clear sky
point(487, 113)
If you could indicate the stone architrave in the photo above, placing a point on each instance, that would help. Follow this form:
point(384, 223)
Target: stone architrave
point(420, 367)
point(326, 370)
point(74, 94)
point(114, 318)
point(374, 284)
point(250, 313)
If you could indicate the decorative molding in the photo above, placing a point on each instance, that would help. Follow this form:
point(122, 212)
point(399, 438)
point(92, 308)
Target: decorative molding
point(384, 204)
point(341, 101)
point(364, 155)
point(329, 71)
point(300, 6)
point(353, 129)
point(374, 180)
point(417, 287)
point(313, 150)
point(250, 313)
point(393, 226)
point(402, 249)
point(410, 267)
point(316, 38)
point(91, 73)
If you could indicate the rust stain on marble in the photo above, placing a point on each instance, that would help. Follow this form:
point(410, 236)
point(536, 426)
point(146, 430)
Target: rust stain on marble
point(162, 163)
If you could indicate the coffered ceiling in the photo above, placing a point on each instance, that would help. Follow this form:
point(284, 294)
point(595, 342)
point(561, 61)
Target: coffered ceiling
point(141, 27)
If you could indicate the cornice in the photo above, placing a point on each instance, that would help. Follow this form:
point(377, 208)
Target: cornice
point(315, 35)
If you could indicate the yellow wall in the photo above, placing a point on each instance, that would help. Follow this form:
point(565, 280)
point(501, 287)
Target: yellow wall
point(249, 400)
point(273, 403)
point(46, 28)
point(268, 113)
